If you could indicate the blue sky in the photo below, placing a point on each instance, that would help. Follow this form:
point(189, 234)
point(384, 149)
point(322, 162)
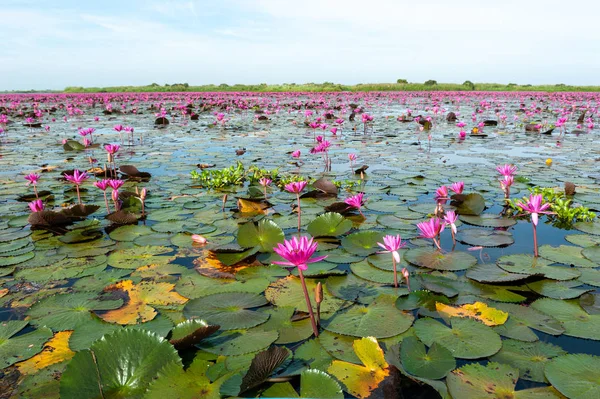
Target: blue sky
point(53, 44)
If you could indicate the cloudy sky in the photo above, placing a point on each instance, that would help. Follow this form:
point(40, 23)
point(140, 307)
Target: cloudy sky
point(53, 44)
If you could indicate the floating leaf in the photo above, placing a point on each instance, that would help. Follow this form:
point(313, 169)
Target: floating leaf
point(567, 255)
point(14, 349)
point(558, 289)
point(490, 273)
point(265, 235)
point(238, 342)
point(469, 204)
point(529, 357)
point(528, 264)
point(466, 338)
point(575, 375)
point(229, 310)
point(68, 311)
point(488, 220)
point(434, 364)
point(576, 321)
point(190, 332)
point(362, 243)
point(121, 364)
point(478, 311)
point(381, 319)
point(192, 383)
point(135, 257)
point(313, 384)
point(476, 381)
point(280, 320)
point(137, 308)
point(432, 259)
point(358, 380)
point(288, 292)
point(485, 238)
point(329, 224)
point(56, 350)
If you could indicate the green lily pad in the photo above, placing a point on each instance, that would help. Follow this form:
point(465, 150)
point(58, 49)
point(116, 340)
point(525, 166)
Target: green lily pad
point(313, 384)
point(288, 292)
point(528, 264)
point(470, 204)
point(590, 277)
point(576, 321)
point(265, 235)
point(129, 232)
point(174, 381)
point(362, 243)
point(433, 364)
point(354, 289)
point(583, 240)
point(194, 285)
point(16, 259)
point(190, 332)
point(239, 342)
point(22, 347)
point(529, 357)
point(133, 258)
point(280, 320)
point(490, 273)
point(485, 238)
point(432, 259)
point(466, 338)
point(329, 224)
point(68, 311)
point(567, 255)
point(531, 318)
point(558, 289)
point(381, 319)
point(588, 227)
point(121, 364)
point(488, 220)
point(575, 375)
point(231, 258)
point(229, 310)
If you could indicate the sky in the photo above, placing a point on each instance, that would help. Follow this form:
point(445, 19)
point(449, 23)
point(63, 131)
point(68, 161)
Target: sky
point(59, 43)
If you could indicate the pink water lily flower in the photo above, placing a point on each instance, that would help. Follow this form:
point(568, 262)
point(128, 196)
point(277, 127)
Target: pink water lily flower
point(392, 244)
point(36, 206)
point(534, 207)
point(450, 218)
point(77, 177)
point(295, 187)
point(265, 181)
point(506, 170)
point(198, 239)
point(297, 252)
point(32, 178)
point(102, 184)
point(296, 154)
point(458, 187)
point(356, 201)
point(431, 229)
point(115, 184)
point(112, 148)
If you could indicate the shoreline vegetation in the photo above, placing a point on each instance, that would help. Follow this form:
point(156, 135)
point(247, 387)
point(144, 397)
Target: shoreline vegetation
point(401, 85)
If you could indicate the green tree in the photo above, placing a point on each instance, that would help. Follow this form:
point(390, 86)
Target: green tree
point(470, 85)
point(402, 81)
point(431, 82)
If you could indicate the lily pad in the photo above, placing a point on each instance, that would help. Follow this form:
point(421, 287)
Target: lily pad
point(381, 319)
point(362, 243)
point(18, 348)
point(238, 342)
point(121, 364)
point(432, 259)
point(466, 339)
point(288, 292)
point(433, 364)
point(229, 310)
point(576, 321)
point(529, 357)
point(567, 255)
point(265, 235)
point(575, 375)
point(329, 224)
point(485, 238)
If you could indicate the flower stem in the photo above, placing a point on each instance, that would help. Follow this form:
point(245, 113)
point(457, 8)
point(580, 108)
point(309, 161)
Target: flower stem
point(535, 244)
point(36, 192)
point(395, 272)
point(106, 202)
point(299, 210)
point(308, 304)
point(78, 194)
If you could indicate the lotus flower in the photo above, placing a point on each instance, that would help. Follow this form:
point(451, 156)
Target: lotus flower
point(296, 188)
point(36, 206)
point(534, 207)
point(298, 253)
point(392, 244)
point(506, 170)
point(431, 229)
point(458, 187)
point(356, 201)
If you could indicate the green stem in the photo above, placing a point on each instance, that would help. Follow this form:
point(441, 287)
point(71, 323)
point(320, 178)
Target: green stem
point(308, 304)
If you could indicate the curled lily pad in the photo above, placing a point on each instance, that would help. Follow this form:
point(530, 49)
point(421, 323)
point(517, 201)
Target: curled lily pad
point(329, 224)
point(229, 310)
point(265, 235)
point(238, 342)
point(361, 380)
point(313, 384)
point(281, 320)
